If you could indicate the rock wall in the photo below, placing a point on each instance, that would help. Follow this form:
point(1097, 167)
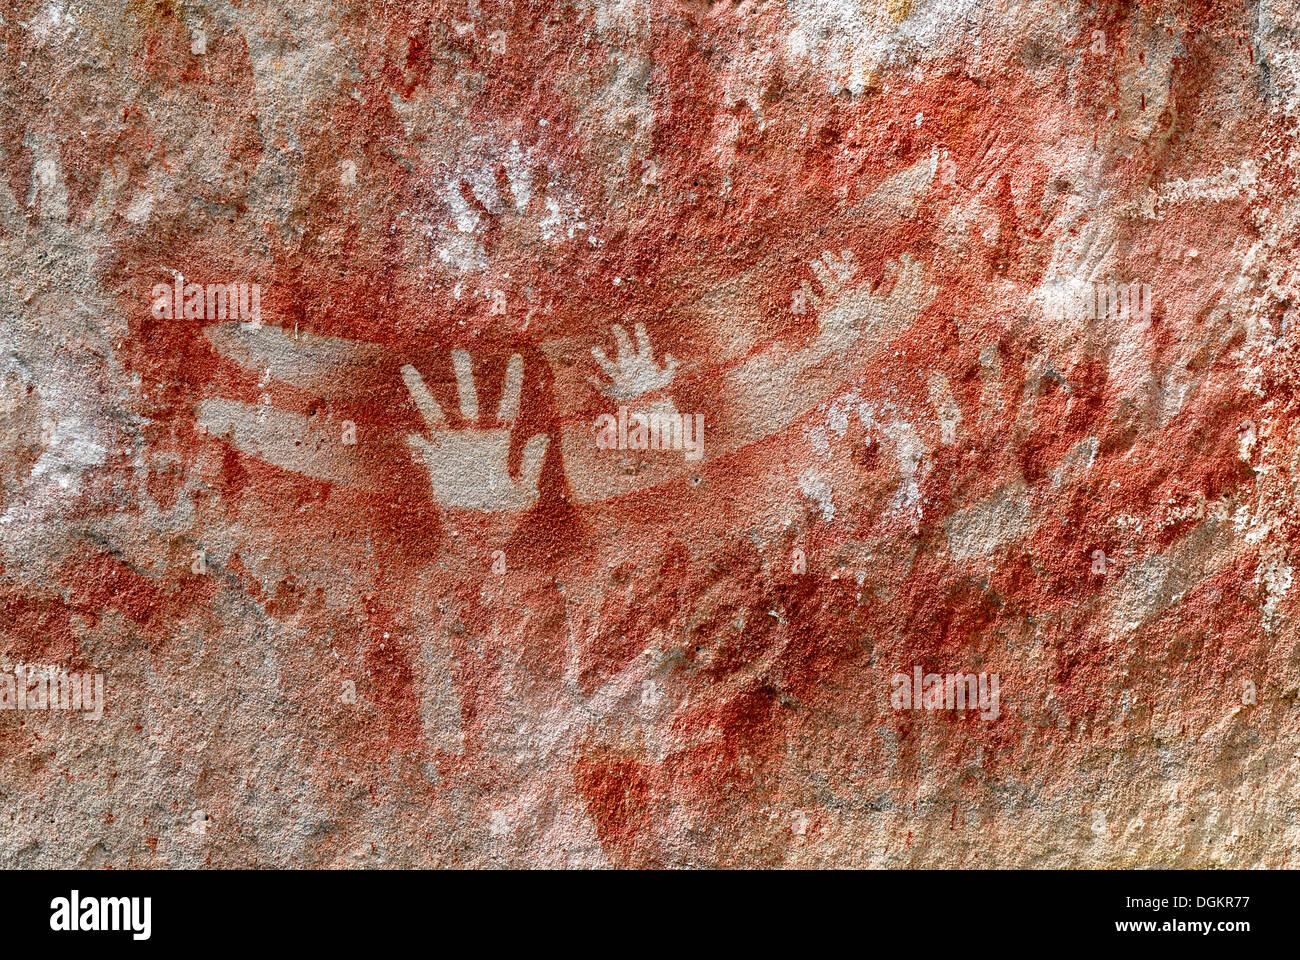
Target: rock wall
point(620, 434)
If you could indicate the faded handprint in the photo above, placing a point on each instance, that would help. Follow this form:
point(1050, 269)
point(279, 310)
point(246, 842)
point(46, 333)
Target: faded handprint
point(845, 310)
point(634, 372)
point(468, 468)
point(51, 338)
point(833, 273)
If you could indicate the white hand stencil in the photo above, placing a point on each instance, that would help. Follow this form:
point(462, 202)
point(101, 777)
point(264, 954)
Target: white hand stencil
point(468, 468)
point(635, 371)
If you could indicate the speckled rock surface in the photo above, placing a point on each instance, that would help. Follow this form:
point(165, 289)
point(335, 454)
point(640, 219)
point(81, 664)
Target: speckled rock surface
point(620, 434)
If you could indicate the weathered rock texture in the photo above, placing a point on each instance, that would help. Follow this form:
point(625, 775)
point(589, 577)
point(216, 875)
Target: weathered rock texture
point(364, 587)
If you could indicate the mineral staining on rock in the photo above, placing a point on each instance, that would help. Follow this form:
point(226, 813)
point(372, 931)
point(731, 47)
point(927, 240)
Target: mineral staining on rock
point(476, 433)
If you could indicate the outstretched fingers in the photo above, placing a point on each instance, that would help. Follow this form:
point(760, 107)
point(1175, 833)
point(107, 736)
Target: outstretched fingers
point(623, 340)
point(828, 281)
point(643, 341)
point(910, 290)
point(809, 294)
point(460, 362)
point(611, 370)
point(845, 266)
point(424, 401)
point(508, 408)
